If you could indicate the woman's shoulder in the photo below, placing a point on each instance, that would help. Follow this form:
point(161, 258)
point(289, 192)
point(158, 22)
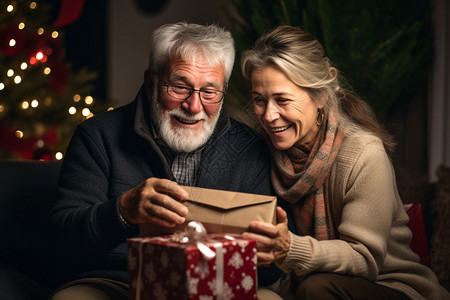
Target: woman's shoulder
point(359, 148)
point(360, 142)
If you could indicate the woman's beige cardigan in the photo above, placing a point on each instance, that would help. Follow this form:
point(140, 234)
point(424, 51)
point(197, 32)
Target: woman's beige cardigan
point(372, 223)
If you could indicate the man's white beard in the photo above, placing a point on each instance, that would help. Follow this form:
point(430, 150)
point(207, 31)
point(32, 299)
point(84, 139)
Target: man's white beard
point(182, 139)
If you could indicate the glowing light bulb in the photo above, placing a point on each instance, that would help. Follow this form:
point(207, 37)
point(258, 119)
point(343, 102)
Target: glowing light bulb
point(10, 73)
point(33, 5)
point(19, 134)
point(85, 112)
point(23, 66)
point(40, 31)
point(55, 34)
point(21, 25)
point(88, 100)
point(2, 86)
point(39, 55)
point(12, 42)
point(17, 79)
point(25, 105)
point(72, 110)
point(76, 98)
point(34, 103)
point(2, 108)
point(40, 143)
point(47, 70)
point(110, 108)
point(58, 155)
point(10, 8)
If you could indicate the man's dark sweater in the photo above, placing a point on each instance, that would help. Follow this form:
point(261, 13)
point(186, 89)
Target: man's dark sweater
point(115, 151)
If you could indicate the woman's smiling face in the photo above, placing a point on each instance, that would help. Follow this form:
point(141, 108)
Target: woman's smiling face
point(285, 110)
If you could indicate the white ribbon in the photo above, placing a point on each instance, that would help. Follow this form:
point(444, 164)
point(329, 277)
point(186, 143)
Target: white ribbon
point(219, 271)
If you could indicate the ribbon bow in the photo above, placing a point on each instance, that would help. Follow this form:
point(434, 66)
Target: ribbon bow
point(195, 234)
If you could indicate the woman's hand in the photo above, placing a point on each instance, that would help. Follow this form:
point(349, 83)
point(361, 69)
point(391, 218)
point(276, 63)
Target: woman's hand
point(273, 241)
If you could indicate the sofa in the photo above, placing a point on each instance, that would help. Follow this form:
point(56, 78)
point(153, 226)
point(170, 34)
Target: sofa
point(28, 190)
point(27, 258)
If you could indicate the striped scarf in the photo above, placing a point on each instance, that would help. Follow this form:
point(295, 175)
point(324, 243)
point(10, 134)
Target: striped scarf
point(302, 179)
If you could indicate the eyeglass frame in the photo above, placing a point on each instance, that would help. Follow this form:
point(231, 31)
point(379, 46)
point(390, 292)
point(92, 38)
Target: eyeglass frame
point(192, 90)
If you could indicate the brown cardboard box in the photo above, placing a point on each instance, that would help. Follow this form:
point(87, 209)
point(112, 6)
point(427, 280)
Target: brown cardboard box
point(221, 211)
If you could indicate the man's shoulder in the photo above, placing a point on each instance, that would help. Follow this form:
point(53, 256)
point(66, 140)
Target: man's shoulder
point(242, 129)
point(242, 135)
point(111, 117)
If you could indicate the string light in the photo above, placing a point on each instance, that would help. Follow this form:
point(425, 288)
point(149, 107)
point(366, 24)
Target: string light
point(86, 112)
point(34, 103)
point(10, 73)
point(40, 144)
point(76, 98)
point(33, 5)
point(25, 105)
point(2, 86)
point(10, 8)
point(19, 134)
point(17, 79)
point(88, 100)
point(72, 110)
point(47, 70)
point(12, 42)
point(55, 34)
point(2, 108)
point(23, 66)
point(40, 31)
point(58, 155)
point(21, 25)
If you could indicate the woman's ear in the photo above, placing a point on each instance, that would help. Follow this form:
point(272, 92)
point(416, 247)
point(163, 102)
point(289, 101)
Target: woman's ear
point(323, 98)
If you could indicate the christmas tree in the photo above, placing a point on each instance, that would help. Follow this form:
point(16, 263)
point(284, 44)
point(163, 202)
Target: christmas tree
point(42, 99)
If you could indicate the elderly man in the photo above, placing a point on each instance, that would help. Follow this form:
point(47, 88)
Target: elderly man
point(124, 167)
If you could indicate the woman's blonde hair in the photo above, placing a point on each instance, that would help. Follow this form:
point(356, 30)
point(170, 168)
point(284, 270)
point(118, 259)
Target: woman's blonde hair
point(300, 56)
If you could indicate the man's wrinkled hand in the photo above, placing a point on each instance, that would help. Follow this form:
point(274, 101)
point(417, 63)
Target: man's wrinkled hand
point(156, 201)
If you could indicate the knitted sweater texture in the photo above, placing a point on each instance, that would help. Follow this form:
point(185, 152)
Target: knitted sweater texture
point(372, 224)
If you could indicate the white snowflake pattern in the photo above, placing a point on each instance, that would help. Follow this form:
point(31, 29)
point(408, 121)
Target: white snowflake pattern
point(255, 259)
point(212, 286)
point(164, 260)
point(202, 269)
point(247, 283)
point(175, 278)
point(227, 292)
point(159, 292)
point(192, 284)
point(149, 272)
point(236, 260)
point(243, 244)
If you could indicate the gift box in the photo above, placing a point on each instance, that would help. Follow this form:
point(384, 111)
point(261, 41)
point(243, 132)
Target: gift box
point(161, 268)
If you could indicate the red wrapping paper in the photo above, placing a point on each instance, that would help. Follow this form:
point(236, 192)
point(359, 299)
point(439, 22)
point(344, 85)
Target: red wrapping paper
point(162, 269)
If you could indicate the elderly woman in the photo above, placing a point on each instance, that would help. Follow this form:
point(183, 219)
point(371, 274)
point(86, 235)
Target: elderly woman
point(331, 163)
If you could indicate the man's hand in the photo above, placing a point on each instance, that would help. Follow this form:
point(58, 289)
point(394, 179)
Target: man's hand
point(156, 201)
point(273, 241)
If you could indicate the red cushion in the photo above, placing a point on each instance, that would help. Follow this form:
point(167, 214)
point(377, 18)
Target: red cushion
point(419, 242)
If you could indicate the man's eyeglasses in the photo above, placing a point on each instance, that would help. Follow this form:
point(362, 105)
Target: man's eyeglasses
point(181, 92)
